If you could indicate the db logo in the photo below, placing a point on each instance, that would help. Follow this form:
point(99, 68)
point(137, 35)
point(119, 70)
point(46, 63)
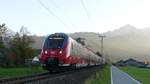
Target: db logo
point(52, 52)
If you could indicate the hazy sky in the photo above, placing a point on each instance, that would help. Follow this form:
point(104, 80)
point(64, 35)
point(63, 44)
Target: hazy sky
point(104, 15)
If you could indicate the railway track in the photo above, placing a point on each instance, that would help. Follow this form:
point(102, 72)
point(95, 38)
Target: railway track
point(23, 79)
point(38, 78)
point(30, 79)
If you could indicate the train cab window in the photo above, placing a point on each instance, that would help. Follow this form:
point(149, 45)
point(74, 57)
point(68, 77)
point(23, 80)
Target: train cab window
point(55, 42)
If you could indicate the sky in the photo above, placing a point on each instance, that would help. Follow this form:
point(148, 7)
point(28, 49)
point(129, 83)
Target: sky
point(43, 17)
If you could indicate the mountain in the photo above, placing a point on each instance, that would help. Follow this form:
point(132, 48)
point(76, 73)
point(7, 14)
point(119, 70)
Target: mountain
point(123, 43)
point(128, 42)
point(122, 31)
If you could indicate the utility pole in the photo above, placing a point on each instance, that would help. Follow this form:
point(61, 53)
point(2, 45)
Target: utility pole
point(102, 43)
point(102, 46)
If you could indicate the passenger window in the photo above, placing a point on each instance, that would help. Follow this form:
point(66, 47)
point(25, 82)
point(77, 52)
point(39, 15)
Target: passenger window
point(72, 46)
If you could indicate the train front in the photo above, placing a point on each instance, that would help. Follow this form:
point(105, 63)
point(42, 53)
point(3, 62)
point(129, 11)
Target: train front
point(54, 51)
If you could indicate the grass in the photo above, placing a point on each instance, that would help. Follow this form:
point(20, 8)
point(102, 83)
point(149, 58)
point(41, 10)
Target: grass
point(14, 72)
point(101, 77)
point(140, 74)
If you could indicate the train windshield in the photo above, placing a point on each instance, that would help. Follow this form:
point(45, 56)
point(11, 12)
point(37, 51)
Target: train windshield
point(55, 42)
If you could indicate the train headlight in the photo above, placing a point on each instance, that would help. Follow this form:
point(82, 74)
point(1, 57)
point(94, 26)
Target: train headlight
point(60, 52)
point(45, 52)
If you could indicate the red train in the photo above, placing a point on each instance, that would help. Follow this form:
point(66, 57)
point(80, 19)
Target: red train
point(61, 50)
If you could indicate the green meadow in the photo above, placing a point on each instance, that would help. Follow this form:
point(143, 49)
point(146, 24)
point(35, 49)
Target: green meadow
point(140, 74)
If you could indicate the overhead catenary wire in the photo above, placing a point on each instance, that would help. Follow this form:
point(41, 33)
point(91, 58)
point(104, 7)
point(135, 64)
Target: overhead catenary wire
point(53, 14)
point(97, 6)
point(87, 13)
point(66, 16)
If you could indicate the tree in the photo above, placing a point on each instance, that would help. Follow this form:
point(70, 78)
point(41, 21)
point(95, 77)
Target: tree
point(20, 46)
point(99, 54)
point(80, 40)
point(3, 54)
point(3, 30)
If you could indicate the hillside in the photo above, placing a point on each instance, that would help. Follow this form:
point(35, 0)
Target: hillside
point(125, 42)
point(128, 42)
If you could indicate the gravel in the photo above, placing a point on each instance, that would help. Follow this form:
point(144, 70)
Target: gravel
point(76, 77)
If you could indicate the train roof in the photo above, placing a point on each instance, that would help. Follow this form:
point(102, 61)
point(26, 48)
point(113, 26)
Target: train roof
point(59, 34)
